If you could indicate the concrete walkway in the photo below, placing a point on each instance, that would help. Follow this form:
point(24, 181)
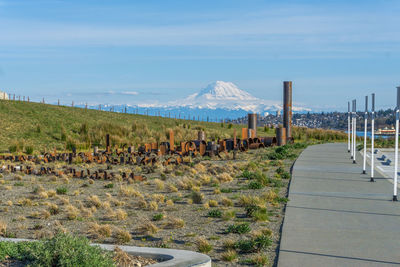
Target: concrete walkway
point(335, 216)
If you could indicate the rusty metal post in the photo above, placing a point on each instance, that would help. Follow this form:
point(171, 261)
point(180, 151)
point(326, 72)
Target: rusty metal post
point(171, 141)
point(287, 108)
point(108, 142)
point(281, 136)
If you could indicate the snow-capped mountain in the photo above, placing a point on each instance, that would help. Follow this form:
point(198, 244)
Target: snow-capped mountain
point(220, 90)
point(216, 101)
point(226, 95)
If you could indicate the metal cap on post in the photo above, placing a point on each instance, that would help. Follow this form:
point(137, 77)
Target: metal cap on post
point(366, 104)
point(373, 102)
point(398, 97)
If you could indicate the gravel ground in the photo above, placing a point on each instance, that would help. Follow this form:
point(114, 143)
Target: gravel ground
point(129, 211)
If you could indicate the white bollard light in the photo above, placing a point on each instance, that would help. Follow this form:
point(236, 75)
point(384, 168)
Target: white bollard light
point(372, 137)
point(348, 127)
point(396, 149)
point(352, 129)
point(355, 132)
point(365, 135)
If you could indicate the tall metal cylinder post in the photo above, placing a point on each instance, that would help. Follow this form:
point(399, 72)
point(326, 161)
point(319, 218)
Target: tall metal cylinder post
point(372, 137)
point(352, 129)
point(252, 123)
point(348, 127)
point(355, 132)
point(281, 136)
point(365, 135)
point(396, 149)
point(287, 108)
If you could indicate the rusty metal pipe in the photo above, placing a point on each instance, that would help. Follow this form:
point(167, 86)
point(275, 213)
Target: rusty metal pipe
point(281, 136)
point(287, 108)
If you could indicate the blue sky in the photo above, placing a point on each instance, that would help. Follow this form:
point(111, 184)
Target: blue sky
point(142, 51)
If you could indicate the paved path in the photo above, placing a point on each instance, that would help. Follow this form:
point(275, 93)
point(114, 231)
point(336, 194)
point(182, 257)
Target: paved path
point(335, 216)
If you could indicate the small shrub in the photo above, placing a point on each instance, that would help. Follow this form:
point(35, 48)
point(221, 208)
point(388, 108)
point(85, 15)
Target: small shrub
point(94, 200)
point(12, 148)
point(123, 236)
point(226, 190)
point(203, 245)
point(158, 217)
point(61, 190)
point(159, 184)
point(212, 203)
point(259, 260)
point(3, 228)
point(216, 213)
point(148, 228)
point(29, 150)
point(242, 228)
point(228, 215)
point(173, 223)
point(109, 185)
point(197, 197)
point(229, 255)
point(255, 185)
point(61, 250)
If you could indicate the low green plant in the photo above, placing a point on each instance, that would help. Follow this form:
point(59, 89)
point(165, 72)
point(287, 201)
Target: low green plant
point(215, 213)
point(242, 228)
point(109, 185)
point(62, 250)
point(158, 217)
point(61, 190)
point(226, 190)
point(253, 245)
point(29, 150)
point(197, 197)
point(255, 185)
point(228, 215)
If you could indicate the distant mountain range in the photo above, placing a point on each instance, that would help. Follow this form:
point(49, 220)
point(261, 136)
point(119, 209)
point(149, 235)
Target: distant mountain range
point(219, 100)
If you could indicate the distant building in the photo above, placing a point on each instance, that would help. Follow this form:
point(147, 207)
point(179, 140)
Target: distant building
point(3, 96)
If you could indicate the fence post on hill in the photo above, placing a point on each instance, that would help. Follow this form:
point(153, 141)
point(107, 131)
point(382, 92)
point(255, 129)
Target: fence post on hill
point(396, 150)
point(365, 135)
point(372, 137)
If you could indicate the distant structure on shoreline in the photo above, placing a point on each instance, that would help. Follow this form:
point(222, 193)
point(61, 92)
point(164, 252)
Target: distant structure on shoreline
point(3, 96)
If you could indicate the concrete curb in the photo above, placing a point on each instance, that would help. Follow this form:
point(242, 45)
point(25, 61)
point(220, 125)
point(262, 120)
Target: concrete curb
point(171, 257)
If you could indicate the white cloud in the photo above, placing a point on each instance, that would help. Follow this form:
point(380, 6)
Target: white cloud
point(129, 93)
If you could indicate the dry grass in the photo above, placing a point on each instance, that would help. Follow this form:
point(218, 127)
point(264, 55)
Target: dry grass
point(94, 200)
point(203, 245)
point(120, 214)
point(3, 228)
point(172, 223)
point(123, 236)
point(72, 212)
point(159, 184)
point(98, 231)
point(147, 228)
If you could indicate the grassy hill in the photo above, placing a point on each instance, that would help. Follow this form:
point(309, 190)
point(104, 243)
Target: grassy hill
point(26, 126)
